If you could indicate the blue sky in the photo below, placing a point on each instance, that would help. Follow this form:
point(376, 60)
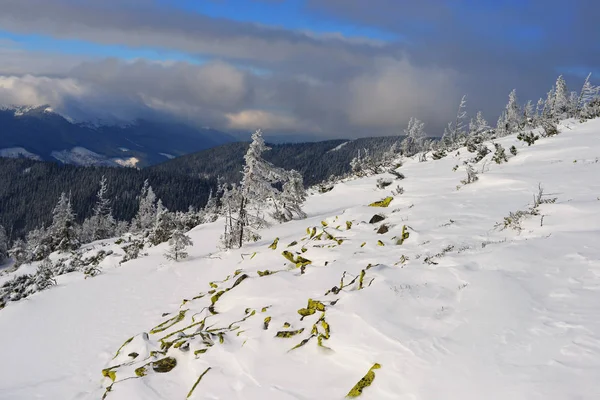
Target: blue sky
point(331, 67)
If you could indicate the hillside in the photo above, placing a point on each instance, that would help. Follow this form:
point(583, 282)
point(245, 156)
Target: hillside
point(316, 161)
point(40, 133)
point(463, 308)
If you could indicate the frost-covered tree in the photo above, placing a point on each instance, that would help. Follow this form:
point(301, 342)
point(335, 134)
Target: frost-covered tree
point(529, 115)
point(211, 209)
point(415, 137)
point(3, 245)
point(586, 99)
point(103, 219)
point(548, 112)
point(63, 231)
point(44, 276)
point(177, 245)
point(513, 116)
point(501, 126)
point(478, 131)
point(164, 225)
point(455, 133)
point(18, 252)
point(560, 106)
point(293, 195)
point(244, 206)
point(146, 215)
point(39, 244)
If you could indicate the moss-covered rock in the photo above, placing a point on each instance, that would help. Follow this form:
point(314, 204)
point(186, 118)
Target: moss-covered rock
point(382, 203)
point(164, 365)
point(365, 382)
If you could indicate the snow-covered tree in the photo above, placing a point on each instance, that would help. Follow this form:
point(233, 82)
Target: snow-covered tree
point(63, 232)
point(501, 126)
point(164, 225)
point(244, 206)
point(455, 133)
point(44, 276)
point(587, 96)
point(146, 215)
point(293, 195)
point(3, 245)
point(103, 219)
point(529, 115)
point(415, 136)
point(177, 245)
point(18, 252)
point(513, 116)
point(478, 129)
point(560, 107)
point(548, 112)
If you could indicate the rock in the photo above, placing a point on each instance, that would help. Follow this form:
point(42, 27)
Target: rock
point(376, 218)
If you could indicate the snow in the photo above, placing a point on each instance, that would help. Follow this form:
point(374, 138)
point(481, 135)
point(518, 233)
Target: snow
point(494, 314)
point(339, 146)
point(18, 152)
point(169, 156)
point(131, 162)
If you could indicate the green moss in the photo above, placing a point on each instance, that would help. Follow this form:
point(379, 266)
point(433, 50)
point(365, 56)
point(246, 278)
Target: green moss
point(324, 223)
point(197, 382)
point(141, 371)
point(288, 334)
point(217, 296)
point(169, 323)
point(239, 280)
point(348, 225)
point(365, 382)
point(264, 273)
point(292, 244)
point(286, 325)
point(299, 261)
point(109, 373)
point(302, 343)
point(273, 245)
point(405, 235)
point(380, 243)
point(361, 279)
point(382, 203)
point(266, 323)
point(123, 345)
point(200, 351)
point(363, 244)
point(164, 365)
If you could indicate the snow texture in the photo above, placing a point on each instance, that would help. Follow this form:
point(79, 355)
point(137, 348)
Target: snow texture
point(459, 310)
point(19, 152)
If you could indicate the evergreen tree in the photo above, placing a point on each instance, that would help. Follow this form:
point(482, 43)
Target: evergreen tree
point(560, 107)
point(146, 215)
point(44, 276)
point(548, 112)
point(529, 115)
point(415, 136)
point(63, 229)
point(103, 223)
point(177, 245)
point(588, 93)
point(455, 134)
point(39, 244)
point(163, 225)
point(292, 197)
point(3, 245)
point(513, 117)
point(478, 129)
point(18, 252)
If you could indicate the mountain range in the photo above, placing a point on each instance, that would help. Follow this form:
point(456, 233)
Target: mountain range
point(42, 134)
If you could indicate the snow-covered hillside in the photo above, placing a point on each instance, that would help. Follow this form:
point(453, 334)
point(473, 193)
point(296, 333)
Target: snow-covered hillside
point(434, 301)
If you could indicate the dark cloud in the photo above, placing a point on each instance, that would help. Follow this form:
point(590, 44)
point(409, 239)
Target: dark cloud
point(301, 81)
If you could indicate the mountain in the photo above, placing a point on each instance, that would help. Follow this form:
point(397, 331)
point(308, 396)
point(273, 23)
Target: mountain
point(488, 295)
point(181, 182)
point(39, 132)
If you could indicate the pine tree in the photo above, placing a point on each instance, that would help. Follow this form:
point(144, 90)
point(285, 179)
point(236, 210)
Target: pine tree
point(146, 215)
point(18, 252)
point(103, 223)
point(588, 93)
point(3, 245)
point(513, 116)
point(163, 225)
point(44, 276)
point(529, 115)
point(561, 99)
point(63, 229)
point(177, 245)
point(415, 136)
point(548, 112)
point(455, 133)
point(292, 197)
point(478, 129)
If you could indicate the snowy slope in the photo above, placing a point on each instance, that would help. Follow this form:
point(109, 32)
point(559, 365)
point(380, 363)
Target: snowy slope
point(460, 310)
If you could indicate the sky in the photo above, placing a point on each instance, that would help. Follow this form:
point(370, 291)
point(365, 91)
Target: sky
point(328, 68)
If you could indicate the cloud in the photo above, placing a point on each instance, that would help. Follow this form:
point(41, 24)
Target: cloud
point(292, 80)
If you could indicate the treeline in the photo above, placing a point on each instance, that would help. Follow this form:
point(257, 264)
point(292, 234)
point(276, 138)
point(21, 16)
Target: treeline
point(29, 190)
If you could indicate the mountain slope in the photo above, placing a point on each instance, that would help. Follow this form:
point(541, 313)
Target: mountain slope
point(316, 161)
point(41, 132)
point(460, 310)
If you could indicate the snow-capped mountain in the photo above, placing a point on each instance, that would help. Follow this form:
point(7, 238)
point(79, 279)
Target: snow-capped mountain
point(452, 288)
point(41, 133)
